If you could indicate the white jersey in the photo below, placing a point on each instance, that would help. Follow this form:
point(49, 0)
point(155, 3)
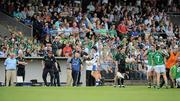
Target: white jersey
point(95, 58)
point(92, 62)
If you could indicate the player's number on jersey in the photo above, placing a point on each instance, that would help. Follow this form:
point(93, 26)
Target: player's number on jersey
point(158, 58)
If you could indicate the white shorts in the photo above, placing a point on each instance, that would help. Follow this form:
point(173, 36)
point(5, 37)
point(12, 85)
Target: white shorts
point(178, 80)
point(150, 68)
point(120, 75)
point(145, 61)
point(160, 68)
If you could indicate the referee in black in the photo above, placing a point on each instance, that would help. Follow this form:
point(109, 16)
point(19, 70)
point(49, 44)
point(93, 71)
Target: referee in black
point(120, 65)
point(49, 63)
point(21, 63)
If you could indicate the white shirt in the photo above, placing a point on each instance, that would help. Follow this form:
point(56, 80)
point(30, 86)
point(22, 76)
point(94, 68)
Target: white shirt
point(30, 13)
point(89, 64)
point(2, 54)
point(138, 2)
point(170, 33)
point(67, 31)
point(91, 8)
point(89, 67)
point(147, 21)
point(60, 30)
point(111, 17)
point(105, 1)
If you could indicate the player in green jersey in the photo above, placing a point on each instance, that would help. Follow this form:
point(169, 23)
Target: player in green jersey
point(151, 74)
point(175, 74)
point(160, 66)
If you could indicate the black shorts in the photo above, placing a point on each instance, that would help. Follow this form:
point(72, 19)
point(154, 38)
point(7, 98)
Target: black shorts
point(121, 68)
point(20, 71)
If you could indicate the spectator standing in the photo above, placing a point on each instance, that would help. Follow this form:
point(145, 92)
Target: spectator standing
point(10, 67)
point(57, 47)
point(3, 53)
point(69, 72)
point(122, 28)
point(76, 65)
point(67, 50)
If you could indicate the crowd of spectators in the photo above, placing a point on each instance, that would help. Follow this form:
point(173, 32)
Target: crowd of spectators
point(66, 27)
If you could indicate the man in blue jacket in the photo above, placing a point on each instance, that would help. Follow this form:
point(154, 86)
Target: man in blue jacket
point(76, 65)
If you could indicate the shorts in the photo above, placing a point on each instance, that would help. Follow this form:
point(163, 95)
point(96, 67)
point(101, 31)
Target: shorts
point(160, 68)
point(94, 68)
point(178, 81)
point(150, 68)
point(120, 75)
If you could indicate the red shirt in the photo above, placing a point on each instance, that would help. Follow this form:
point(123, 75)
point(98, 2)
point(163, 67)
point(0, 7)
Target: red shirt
point(67, 50)
point(122, 29)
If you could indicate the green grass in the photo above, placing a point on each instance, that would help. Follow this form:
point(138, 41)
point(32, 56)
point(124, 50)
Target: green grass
point(130, 93)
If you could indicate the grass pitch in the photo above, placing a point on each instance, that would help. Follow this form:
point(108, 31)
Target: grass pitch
point(130, 93)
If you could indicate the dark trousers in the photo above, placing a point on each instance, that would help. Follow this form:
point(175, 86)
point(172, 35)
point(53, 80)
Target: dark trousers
point(44, 75)
point(56, 79)
point(21, 72)
point(76, 77)
point(90, 80)
point(120, 81)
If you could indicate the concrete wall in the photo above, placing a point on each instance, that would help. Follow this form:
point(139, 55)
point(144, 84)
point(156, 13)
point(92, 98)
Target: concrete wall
point(34, 71)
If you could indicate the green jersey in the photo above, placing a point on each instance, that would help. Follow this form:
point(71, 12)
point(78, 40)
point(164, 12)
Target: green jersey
point(150, 57)
point(113, 33)
point(103, 32)
point(175, 72)
point(114, 52)
point(90, 44)
point(11, 44)
point(158, 58)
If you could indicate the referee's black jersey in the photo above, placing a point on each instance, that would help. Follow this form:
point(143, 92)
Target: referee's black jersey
point(120, 58)
point(49, 62)
point(20, 59)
